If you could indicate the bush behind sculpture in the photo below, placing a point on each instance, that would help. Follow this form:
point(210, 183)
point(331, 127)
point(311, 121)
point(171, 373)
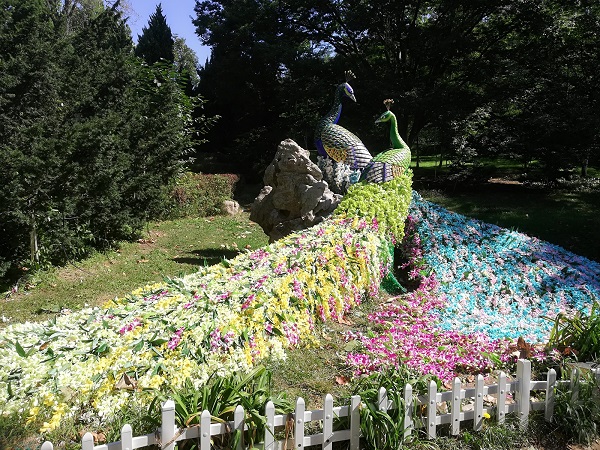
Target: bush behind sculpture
point(198, 195)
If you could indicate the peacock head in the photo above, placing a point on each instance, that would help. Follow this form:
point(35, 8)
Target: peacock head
point(386, 116)
point(344, 89)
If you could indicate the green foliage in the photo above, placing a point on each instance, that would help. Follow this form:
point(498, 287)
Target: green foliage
point(385, 202)
point(577, 407)
point(220, 396)
point(384, 430)
point(156, 41)
point(199, 195)
point(91, 137)
point(578, 335)
point(478, 79)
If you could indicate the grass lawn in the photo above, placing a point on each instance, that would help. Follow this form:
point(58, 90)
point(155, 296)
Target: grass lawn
point(168, 249)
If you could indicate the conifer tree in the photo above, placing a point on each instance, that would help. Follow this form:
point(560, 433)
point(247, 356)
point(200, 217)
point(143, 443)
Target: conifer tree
point(156, 41)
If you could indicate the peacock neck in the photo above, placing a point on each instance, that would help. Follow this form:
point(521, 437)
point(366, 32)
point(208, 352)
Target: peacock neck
point(397, 141)
point(334, 113)
point(336, 110)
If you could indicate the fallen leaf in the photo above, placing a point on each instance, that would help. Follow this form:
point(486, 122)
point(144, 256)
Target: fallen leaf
point(248, 247)
point(141, 261)
point(342, 380)
point(352, 345)
point(99, 438)
point(524, 348)
point(126, 382)
point(345, 321)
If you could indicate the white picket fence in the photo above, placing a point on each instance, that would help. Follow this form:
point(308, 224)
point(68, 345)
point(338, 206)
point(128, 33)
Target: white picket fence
point(471, 405)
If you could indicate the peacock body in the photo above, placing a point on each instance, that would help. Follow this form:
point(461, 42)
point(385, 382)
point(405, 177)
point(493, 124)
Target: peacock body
point(335, 141)
point(393, 162)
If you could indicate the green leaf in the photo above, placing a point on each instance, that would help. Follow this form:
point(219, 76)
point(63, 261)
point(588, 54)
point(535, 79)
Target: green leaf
point(20, 351)
point(158, 342)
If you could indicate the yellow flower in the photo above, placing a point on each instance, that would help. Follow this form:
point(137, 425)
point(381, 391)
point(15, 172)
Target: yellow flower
point(33, 412)
point(59, 411)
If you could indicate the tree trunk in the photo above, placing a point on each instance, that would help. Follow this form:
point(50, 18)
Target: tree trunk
point(33, 243)
point(584, 167)
point(417, 153)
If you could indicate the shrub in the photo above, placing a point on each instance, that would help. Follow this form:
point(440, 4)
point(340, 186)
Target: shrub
point(220, 396)
point(195, 194)
point(578, 334)
point(577, 407)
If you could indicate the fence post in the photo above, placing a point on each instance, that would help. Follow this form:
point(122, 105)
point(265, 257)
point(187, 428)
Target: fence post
point(408, 410)
point(478, 413)
point(501, 403)
point(205, 420)
point(550, 394)
point(382, 400)
point(126, 437)
point(270, 428)
point(455, 407)
point(523, 390)
point(299, 424)
point(238, 424)
point(47, 446)
point(167, 426)
point(354, 422)
point(327, 422)
point(431, 409)
point(574, 383)
point(87, 442)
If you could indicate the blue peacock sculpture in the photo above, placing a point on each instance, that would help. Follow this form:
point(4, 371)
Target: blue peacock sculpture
point(393, 162)
point(335, 141)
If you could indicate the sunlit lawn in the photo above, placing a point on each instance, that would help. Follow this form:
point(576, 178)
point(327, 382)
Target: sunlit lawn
point(168, 249)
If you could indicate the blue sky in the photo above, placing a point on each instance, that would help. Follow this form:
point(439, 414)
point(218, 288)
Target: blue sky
point(178, 14)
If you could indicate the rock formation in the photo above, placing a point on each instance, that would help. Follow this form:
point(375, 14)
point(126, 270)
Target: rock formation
point(295, 196)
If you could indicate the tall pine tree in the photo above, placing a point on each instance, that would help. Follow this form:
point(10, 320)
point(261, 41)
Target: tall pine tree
point(156, 41)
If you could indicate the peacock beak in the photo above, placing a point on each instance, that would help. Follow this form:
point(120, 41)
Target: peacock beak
point(352, 97)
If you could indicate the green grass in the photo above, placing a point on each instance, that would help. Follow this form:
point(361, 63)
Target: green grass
point(168, 249)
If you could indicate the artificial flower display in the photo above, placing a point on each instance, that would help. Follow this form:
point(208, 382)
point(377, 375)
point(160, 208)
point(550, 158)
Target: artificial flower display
point(482, 287)
point(222, 319)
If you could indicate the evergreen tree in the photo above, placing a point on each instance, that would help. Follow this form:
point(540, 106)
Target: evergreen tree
point(90, 135)
point(156, 41)
point(31, 108)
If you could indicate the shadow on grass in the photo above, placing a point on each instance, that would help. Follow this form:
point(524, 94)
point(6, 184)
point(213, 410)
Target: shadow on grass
point(207, 257)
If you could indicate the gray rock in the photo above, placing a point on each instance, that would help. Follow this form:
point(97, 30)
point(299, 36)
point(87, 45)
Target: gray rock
point(230, 207)
point(295, 195)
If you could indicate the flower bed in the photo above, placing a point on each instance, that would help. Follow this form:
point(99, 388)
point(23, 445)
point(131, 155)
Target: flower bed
point(497, 281)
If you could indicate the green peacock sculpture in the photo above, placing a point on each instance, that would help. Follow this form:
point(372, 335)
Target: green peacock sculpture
point(335, 141)
point(393, 162)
